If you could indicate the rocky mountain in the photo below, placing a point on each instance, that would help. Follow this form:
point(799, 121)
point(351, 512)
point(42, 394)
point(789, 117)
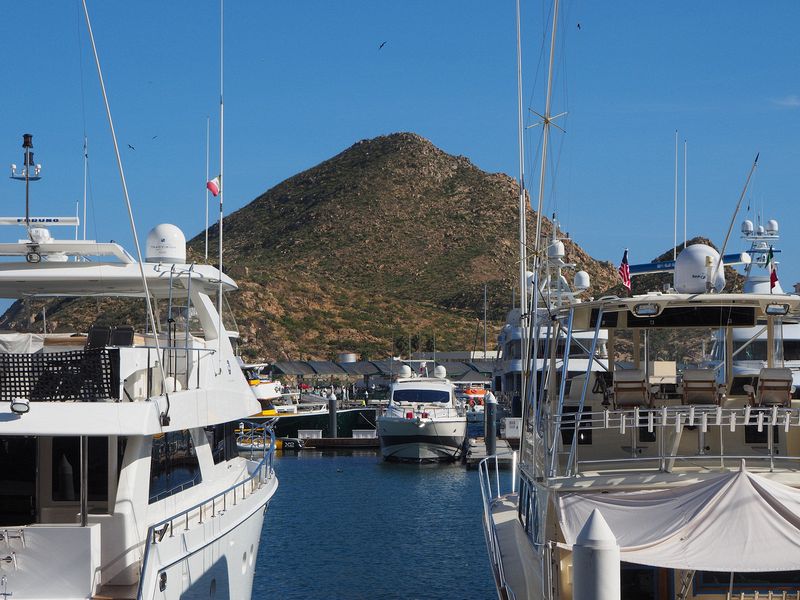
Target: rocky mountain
point(389, 241)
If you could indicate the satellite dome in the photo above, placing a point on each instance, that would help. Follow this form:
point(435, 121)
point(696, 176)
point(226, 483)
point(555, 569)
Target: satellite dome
point(556, 250)
point(166, 244)
point(405, 371)
point(440, 372)
point(760, 230)
point(747, 227)
point(582, 281)
point(693, 267)
point(772, 226)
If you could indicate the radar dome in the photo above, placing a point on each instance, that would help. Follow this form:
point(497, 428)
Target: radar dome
point(760, 230)
point(747, 227)
point(440, 372)
point(772, 226)
point(694, 266)
point(405, 371)
point(581, 281)
point(166, 244)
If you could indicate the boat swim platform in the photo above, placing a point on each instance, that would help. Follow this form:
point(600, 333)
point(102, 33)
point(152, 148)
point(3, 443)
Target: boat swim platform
point(475, 452)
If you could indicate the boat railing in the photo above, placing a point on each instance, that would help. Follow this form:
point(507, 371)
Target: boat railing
point(199, 513)
point(491, 492)
point(657, 422)
point(183, 373)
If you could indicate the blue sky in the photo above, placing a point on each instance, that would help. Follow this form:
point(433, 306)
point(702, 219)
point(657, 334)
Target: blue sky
point(305, 80)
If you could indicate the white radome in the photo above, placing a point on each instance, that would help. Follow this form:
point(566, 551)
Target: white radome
point(166, 244)
point(693, 267)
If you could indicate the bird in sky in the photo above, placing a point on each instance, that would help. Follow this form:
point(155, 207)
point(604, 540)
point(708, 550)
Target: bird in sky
point(154, 137)
point(579, 25)
point(382, 45)
point(131, 147)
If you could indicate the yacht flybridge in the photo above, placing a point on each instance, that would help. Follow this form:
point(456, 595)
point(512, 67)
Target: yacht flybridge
point(681, 486)
point(119, 473)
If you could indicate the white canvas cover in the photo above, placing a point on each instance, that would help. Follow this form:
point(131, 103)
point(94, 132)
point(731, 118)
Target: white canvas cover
point(20, 343)
point(737, 521)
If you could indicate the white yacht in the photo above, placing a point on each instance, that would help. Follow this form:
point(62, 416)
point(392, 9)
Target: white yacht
point(423, 421)
point(636, 489)
point(264, 387)
point(750, 344)
point(119, 473)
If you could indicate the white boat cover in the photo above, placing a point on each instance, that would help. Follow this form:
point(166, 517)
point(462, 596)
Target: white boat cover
point(737, 521)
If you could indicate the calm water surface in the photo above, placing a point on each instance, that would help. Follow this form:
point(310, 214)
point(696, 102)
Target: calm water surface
point(349, 526)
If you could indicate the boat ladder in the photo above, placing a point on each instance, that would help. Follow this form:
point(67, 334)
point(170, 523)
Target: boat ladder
point(686, 583)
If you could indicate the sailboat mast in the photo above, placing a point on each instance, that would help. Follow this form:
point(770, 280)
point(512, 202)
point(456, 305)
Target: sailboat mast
point(523, 248)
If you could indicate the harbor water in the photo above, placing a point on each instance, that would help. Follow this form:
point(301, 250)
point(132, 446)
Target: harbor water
point(346, 525)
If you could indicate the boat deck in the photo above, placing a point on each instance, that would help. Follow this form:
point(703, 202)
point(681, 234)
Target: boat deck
point(521, 565)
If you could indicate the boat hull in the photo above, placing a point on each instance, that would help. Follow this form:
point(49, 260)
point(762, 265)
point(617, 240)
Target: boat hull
point(422, 440)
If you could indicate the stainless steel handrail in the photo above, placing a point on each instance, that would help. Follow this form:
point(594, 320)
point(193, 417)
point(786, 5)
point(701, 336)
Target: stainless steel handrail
point(491, 493)
point(678, 417)
point(263, 472)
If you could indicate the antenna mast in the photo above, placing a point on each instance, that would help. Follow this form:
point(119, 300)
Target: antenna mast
point(221, 167)
point(27, 176)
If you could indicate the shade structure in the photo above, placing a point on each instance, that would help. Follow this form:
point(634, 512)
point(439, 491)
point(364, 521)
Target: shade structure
point(737, 521)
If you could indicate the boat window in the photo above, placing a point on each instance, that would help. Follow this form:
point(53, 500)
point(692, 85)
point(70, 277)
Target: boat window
point(755, 350)
point(791, 349)
point(712, 582)
point(222, 439)
point(173, 466)
point(17, 480)
point(514, 350)
point(67, 469)
point(413, 395)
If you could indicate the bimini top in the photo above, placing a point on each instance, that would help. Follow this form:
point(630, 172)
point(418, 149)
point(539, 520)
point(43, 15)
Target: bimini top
point(97, 269)
point(680, 310)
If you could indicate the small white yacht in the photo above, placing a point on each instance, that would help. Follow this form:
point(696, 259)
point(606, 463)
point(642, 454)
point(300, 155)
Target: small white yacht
point(119, 473)
point(423, 421)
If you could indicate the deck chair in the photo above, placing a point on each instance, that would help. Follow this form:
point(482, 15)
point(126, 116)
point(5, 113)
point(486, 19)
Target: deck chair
point(121, 335)
point(630, 388)
point(774, 388)
point(700, 387)
point(98, 337)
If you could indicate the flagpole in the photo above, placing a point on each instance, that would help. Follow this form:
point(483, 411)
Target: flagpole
point(221, 167)
point(85, 179)
point(675, 211)
point(685, 154)
point(208, 138)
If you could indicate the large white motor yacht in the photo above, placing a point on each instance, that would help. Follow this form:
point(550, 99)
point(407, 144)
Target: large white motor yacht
point(640, 488)
point(423, 421)
point(119, 473)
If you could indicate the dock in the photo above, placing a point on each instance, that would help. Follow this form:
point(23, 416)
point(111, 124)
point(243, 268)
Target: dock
point(476, 452)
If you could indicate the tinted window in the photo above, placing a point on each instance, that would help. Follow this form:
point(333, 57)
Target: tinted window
point(421, 396)
point(67, 469)
point(222, 439)
point(173, 465)
point(756, 350)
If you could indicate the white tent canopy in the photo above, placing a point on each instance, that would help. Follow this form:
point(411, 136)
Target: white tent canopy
point(737, 521)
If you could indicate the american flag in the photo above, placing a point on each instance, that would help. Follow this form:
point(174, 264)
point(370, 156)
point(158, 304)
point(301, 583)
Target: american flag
point(625, 271)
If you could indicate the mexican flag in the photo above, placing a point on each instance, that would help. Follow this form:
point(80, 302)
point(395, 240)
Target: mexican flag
point(773, 269)
point(214, 185)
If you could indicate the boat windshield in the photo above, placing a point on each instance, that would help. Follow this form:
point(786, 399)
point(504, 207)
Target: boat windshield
point(414, 395)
